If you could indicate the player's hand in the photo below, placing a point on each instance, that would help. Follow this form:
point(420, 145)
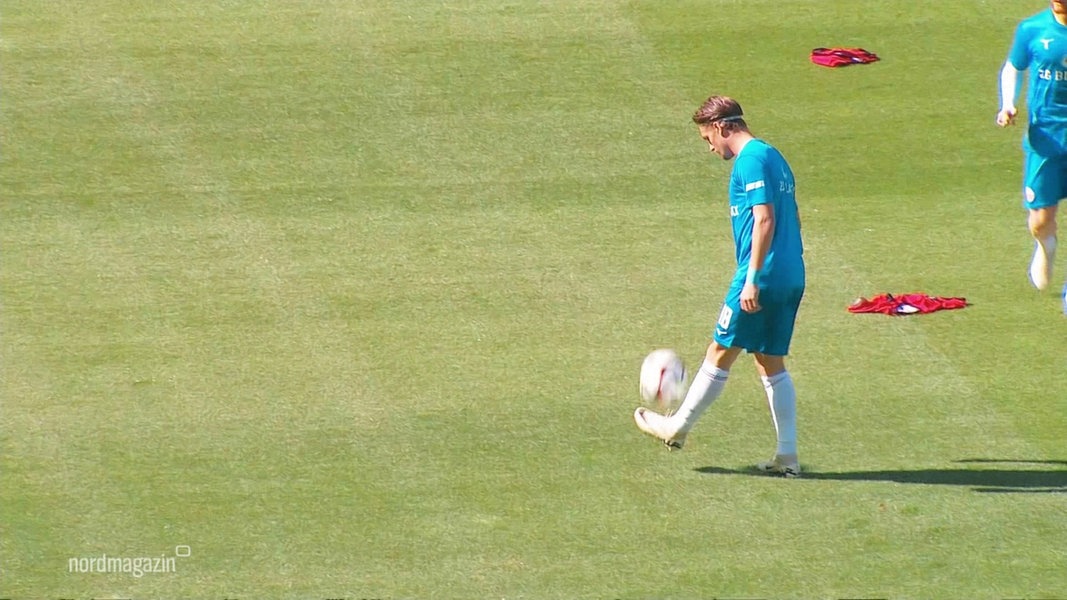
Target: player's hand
point(1006, 117)
point(750, 298)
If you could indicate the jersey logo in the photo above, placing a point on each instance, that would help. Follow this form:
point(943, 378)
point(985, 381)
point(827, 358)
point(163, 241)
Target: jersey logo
point(734, 211)
point(755, 185)
point(1047, 41)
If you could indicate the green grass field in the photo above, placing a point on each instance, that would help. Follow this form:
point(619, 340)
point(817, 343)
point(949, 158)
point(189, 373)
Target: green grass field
point(347, 299)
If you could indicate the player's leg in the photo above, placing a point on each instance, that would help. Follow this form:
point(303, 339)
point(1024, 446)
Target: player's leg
point(708, 382)
point(778, 383)
point(782, 400)
point(1045, 185)
point(1042, 224)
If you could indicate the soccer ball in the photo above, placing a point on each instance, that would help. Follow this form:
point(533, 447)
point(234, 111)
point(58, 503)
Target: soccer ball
point(663, 378)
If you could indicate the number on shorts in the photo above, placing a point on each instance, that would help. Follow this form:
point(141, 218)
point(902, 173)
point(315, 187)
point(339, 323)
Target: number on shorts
point(725, 316)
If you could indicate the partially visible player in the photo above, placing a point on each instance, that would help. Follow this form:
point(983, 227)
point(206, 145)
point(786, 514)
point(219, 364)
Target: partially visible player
point(761, 305)
point(1040, 47)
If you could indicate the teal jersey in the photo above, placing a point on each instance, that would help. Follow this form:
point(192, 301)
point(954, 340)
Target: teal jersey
point(762, 176)
point(1040, 46)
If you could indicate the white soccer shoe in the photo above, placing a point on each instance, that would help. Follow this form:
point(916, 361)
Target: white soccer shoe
point(786, 466)
point(659, 427)
point(1041, 264)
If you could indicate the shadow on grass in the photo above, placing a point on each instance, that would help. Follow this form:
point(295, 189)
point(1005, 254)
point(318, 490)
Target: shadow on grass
point(1010, 476)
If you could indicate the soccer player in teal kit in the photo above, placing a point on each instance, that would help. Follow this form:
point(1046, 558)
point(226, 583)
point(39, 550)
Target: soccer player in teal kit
point(1040, 47)
point(761, 305)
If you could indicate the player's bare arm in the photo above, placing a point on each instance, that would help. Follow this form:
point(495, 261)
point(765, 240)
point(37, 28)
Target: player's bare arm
point(762, 234)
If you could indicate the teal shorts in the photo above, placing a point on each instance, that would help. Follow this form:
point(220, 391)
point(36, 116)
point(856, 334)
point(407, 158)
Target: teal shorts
point(768, 331)
point(1044, 180)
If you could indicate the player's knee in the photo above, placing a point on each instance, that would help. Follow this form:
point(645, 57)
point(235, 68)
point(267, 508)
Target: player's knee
point(721, 356)
point(1042, 230)
point(769, 365)
point(1042, 223)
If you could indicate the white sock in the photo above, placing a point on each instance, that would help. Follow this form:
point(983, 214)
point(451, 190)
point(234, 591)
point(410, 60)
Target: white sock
point(782, 398)
point(706, 387)
point(1049, 244)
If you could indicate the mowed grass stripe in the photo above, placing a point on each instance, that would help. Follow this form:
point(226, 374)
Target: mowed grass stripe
point(238, 257)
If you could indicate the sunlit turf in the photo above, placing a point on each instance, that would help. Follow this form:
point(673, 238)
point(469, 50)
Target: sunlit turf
point(348, 299)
